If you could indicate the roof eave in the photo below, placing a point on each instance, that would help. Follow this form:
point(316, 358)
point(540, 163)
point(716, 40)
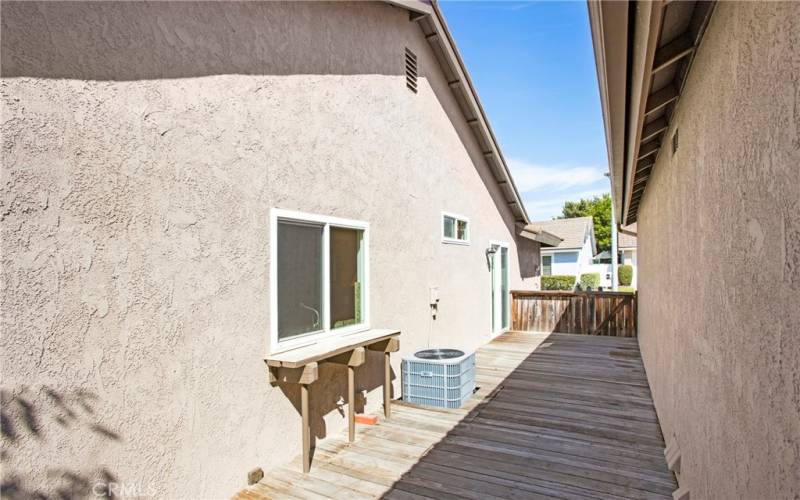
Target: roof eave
point(483, 125)
point(653, 36)
point(609, 26)
point(623, 57)
point(416, 6)
point(432, 22)
point(535, 233)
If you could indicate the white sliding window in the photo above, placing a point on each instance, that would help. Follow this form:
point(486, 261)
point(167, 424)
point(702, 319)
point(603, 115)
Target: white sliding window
point(455, 229)
point(319, 278)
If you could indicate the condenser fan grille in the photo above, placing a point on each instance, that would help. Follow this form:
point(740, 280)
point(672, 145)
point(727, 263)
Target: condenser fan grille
point(439, 354)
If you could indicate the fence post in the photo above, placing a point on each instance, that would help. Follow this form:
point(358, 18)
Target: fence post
point(584, 314)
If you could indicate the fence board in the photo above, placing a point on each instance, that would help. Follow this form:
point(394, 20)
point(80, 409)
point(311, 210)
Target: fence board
point(589, 313)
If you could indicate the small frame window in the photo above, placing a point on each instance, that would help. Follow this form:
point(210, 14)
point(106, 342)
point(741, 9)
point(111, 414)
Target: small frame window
point(319, 278)
point(455, 229)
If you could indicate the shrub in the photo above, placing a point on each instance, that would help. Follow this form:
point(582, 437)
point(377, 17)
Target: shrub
point(590, 281)
point(625, 275)
point(558, 282)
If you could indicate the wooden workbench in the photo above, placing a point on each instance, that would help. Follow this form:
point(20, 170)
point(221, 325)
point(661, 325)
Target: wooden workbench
point(301, 366)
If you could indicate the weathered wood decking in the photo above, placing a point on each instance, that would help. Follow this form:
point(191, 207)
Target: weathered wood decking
point(556, 416)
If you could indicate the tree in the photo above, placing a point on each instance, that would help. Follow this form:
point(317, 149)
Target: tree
point(599, 208)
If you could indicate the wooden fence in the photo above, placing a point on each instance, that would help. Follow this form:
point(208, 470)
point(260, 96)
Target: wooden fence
point(590, 313)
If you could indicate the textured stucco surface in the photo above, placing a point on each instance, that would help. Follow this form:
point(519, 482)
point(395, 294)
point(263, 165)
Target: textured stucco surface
point(143, 147)
point(719, 261)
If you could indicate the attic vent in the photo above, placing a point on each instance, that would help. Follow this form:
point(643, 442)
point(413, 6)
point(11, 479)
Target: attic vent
point(411, 70)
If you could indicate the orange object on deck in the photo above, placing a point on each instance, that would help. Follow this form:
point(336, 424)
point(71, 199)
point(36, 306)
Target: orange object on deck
point(367, 419)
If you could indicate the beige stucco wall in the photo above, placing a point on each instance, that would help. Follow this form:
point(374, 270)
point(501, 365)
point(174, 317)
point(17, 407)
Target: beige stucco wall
point(143, 147)
point(719, 260)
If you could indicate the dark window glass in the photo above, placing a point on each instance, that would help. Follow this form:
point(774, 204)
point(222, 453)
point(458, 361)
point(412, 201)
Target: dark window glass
point(346, 276)
point(299, 279)
point(449, 227)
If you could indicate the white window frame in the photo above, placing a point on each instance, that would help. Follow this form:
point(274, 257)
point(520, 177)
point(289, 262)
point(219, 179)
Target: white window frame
point(278, 214)
point(455, 241)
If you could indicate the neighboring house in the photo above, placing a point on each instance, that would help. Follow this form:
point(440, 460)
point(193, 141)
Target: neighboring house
point(573, 255)
point(700, 102)
point(626, 248)
point(188, 187)
point(626, 255)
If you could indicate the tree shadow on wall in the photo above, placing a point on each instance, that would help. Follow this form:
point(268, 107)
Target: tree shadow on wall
point(28, 420)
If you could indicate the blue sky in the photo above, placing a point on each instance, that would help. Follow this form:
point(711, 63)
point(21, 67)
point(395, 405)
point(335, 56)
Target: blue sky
point(533, 66)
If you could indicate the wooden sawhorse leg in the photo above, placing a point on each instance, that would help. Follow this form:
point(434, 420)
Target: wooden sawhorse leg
point(387, 347)
point(306, 428)
point(351, 403)
point(351, 359)
point(304, 376)
point(387, 385)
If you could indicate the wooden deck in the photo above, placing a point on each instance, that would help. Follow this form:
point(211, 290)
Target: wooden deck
point(555, 416)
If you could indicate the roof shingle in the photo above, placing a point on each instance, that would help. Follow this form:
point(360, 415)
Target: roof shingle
point(626, 240)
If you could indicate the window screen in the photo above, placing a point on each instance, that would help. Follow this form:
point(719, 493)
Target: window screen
point(299, 279)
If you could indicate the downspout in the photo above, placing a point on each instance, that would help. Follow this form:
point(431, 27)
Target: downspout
point(614, 259)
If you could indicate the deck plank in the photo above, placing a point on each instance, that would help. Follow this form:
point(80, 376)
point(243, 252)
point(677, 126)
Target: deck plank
point(555, 416)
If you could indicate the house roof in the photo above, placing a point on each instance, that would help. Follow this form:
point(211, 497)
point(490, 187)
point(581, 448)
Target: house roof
point(431, 21)
point(626, 241)
point(643, 53)
point(573, 231)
